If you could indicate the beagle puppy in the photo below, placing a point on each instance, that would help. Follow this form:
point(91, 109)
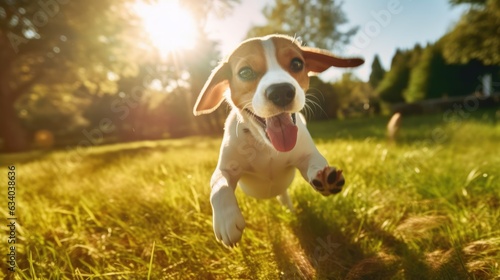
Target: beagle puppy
point(264, 80)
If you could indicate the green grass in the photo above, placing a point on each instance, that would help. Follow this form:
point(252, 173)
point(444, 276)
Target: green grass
point(426, 208)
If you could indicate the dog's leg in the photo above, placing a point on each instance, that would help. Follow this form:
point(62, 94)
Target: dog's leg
point(285, 200)
point(228, 221)
point(314, 168)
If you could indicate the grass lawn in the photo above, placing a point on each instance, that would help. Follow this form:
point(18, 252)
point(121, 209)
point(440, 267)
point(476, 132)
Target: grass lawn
point(426, 208)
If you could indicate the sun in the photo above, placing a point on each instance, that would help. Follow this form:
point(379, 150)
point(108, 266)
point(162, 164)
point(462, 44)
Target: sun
point(170, 27)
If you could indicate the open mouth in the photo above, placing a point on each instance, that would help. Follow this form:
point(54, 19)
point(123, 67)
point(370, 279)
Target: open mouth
point(281, 129)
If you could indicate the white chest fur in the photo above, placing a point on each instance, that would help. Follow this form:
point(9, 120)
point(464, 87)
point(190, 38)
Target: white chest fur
point(261, 171)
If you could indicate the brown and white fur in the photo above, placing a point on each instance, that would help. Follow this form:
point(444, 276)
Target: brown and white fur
point(264, 80)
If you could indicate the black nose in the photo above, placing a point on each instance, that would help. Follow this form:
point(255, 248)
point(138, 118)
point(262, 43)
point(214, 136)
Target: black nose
point(281, 94)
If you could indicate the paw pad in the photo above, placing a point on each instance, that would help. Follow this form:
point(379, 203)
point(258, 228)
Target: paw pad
point(317, 184)
point(328, 181)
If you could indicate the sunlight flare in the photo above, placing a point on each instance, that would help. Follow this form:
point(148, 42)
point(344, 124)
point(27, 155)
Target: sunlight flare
point(170, 26)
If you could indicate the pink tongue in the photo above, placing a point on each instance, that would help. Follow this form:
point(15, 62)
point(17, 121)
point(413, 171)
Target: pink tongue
point(282, 132)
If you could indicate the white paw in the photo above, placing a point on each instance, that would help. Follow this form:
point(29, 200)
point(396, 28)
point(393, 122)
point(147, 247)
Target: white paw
point(228, 224)
point(227, 218)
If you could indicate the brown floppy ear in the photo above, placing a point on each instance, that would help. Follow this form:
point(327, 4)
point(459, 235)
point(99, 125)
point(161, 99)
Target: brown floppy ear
point(212, 94)
point(318, 60)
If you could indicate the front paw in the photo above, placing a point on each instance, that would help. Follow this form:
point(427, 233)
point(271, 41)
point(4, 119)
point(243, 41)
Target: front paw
point(328, 181)
point(228, 225)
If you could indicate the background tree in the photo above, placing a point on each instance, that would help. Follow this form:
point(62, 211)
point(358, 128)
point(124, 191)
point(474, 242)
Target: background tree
point(45, 42)
point(354, 95)
point(60, 114)
point(476, 36)
point(429, 78)
point(473, 2)
point(396, 79)
point(432, 77)
point(377, 73)
point(315, 22)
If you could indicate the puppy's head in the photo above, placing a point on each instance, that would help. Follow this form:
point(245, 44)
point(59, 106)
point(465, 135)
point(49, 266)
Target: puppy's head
point(267, 78)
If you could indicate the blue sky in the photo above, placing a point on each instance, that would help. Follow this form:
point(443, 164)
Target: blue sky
point(385, 25)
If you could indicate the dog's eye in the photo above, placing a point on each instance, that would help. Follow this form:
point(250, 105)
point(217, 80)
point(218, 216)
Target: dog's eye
point(247, 74)
point(296, 65)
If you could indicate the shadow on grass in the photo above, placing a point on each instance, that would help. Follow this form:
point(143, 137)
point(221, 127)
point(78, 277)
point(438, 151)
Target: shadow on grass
point(330, 253)
point(328, 249)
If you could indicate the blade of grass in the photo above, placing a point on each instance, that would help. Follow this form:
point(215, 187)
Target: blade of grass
point(151, 260)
